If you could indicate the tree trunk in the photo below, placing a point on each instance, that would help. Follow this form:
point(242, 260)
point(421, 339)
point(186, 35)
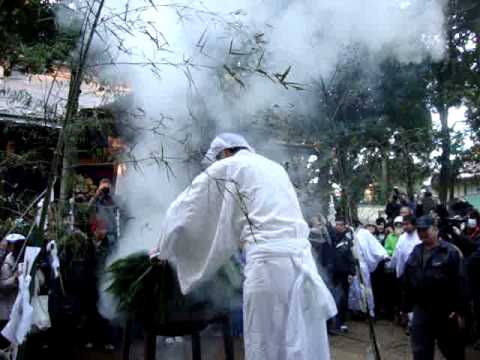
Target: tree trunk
point(64, 141)
point(410, 178)
point(69, 146)
point(385, 179)
point(452, 188)
point(348, 206)
point(445, 165)
point(324, 188)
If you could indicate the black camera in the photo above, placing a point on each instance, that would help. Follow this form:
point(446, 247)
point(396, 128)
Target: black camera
point(79, 199)
point(457, 222)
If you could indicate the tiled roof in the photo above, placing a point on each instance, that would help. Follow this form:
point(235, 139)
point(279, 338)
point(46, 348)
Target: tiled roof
point(45, 96)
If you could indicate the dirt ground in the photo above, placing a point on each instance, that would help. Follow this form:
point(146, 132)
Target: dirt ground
point(355, 345)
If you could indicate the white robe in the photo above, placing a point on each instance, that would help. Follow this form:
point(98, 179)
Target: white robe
point(20, 322)
point(249, 200)
point(369, 253)
point(404, 248)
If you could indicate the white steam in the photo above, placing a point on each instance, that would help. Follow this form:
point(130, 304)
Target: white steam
point(192, 41)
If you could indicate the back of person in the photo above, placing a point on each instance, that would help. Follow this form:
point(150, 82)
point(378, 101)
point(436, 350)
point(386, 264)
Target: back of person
point(429, 204)
point(245, 198)
point(279, 262)
point(344, 262)
point(267, 197)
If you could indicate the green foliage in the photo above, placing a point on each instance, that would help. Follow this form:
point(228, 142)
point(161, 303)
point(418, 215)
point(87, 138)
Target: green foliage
point(381, 117)
point(372, 126)
point(30, 38)
point(472, 88)
point(451, 80)
point(137, 284)
point(131, 281)
point(76, 246)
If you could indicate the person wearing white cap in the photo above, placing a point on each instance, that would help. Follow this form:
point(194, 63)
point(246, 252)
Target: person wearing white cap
point(9, 274)
point(392, 238)
point(244, 199)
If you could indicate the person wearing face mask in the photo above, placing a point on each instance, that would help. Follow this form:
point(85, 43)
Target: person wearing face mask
point(454, 230)
point(473, 226)
point(392, 238)
point(473, 267)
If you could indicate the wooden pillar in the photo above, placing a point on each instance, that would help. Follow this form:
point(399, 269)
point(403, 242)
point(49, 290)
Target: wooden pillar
point(227, 338)
point(127, 339)
point(196, 347)
point(150, 345)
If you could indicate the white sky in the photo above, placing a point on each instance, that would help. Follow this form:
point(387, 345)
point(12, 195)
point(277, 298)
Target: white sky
point(456, 121)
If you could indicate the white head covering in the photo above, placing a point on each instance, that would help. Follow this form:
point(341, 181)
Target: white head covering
point(14, 238)
point(226, 141)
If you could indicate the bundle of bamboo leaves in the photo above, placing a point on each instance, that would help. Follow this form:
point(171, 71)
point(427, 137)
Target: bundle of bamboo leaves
point(134, 281)
point(131, 279)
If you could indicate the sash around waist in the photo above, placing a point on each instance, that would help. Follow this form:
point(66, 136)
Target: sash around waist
point(301, 256)
point(277, 249)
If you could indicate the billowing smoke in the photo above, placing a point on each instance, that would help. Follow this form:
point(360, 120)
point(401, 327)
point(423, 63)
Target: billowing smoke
point(200, 67)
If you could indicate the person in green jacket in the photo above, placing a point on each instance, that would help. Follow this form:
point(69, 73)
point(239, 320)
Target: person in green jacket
point(392, 238)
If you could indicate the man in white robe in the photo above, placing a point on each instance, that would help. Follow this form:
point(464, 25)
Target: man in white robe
point(370, 253)
point(247, 200)
point(406, 243)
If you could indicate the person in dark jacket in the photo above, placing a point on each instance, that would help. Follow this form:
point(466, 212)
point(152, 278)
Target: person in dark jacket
point(474, 280)
point(343, 268)
point(428, 202)
point(393, 208)
point(380, 235)
point(434, 290)
point(321, 241)
point(450, 231)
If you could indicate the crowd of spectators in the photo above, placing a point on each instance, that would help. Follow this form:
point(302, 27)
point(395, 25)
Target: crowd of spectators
point(422, 271)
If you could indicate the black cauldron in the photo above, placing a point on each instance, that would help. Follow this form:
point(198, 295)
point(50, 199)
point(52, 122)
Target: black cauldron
point(170, 313)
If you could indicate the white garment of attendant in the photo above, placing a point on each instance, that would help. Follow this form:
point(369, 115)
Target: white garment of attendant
point(405, 245)
point(8, 286)
point(369, 252)
point(20, 322)
point(249, 200)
